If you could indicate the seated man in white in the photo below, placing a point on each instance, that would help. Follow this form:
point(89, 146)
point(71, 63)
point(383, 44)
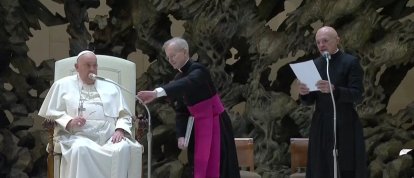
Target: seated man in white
point(93, 125)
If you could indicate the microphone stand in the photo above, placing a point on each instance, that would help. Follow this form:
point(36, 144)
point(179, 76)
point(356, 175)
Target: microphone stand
point(335, 150)
point(149, 134)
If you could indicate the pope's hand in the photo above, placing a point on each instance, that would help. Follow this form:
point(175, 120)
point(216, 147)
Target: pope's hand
point(76, 122)
point(147, 96)
point(118, 136)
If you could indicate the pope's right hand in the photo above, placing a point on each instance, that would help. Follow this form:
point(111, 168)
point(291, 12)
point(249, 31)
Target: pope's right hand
point(76, 122)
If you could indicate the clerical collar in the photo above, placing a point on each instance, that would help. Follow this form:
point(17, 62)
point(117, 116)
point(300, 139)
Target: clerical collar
point(88, 87)
point(336, 54)
point(185, 67)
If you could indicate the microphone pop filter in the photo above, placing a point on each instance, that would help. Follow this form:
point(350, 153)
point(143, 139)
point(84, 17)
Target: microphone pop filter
point(326, 55)
point(92, 76)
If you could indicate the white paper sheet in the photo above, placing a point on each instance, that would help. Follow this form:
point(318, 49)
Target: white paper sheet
point(404, 151)
point(307, 73)
point(190, 124)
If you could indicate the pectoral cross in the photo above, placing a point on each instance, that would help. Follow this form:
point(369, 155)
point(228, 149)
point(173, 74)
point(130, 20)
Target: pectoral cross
point(81, 109)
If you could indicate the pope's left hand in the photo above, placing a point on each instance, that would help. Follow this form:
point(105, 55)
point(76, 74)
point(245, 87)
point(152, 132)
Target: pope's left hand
point(118, 136)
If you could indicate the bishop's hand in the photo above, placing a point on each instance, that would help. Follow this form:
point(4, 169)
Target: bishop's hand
point(147, 96)
point(181, 143)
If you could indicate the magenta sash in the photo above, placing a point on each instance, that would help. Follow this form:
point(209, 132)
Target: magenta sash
point(207, 137)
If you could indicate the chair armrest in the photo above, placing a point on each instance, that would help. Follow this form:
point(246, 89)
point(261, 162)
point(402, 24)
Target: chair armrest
point(49, 125)
point(142, 127)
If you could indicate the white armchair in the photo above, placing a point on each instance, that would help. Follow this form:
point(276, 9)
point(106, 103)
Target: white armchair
point(118, 70)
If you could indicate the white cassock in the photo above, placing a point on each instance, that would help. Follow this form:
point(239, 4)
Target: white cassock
point(88, 152)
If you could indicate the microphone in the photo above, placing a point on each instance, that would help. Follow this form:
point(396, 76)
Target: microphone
point(326, 55)
point(95, 77)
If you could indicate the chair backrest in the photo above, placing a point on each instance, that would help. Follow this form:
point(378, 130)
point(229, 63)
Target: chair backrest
point(117, 69)
point(245, 152)
point(298, 154)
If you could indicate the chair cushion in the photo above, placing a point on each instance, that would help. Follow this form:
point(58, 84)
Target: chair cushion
point(298, 175)
point(56, 148)
point(299, 153)
point(249, 174)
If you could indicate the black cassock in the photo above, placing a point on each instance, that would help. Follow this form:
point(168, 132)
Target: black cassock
point(346, 75)
point(191, 86)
